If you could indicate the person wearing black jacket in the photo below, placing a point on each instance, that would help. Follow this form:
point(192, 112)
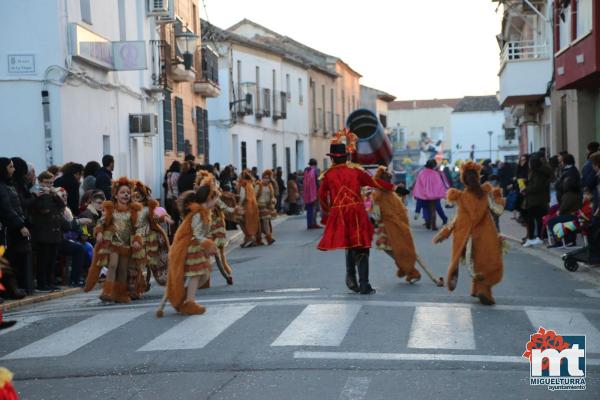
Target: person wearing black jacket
point(70, 180)
point(48, 224)
point(104, 175)
point(188, 174)
point(569, 172)
point(16, 232)
point(589, 178)
point(281, 186)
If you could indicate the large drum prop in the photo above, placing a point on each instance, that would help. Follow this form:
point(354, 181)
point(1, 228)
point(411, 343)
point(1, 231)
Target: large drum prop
point(373, 147)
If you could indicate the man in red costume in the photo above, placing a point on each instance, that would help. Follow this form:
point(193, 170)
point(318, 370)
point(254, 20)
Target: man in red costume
point(347, 225)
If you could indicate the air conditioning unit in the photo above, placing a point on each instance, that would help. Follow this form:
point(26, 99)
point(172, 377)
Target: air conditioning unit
point(143, 124)
point(158, 8)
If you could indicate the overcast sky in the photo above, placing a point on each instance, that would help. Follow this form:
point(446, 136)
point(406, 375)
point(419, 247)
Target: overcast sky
point(413, 49)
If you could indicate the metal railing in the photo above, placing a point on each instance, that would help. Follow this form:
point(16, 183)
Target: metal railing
point(206, 64)
point(524, 50)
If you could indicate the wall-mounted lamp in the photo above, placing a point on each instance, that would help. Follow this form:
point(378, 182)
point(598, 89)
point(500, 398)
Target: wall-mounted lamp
point(186, 42)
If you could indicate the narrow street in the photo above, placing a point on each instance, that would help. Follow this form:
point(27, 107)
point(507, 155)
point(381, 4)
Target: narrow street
point(289, 329)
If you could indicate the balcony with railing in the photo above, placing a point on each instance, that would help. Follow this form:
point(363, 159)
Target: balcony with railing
point(525, 71)
point(207, 73)
point(160, 54)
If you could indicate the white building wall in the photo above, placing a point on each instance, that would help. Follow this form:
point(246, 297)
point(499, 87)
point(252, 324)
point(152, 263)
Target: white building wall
point(415, 121)
point(471, 128)
point(21, 118)
point(227, 135)
point(80, 113)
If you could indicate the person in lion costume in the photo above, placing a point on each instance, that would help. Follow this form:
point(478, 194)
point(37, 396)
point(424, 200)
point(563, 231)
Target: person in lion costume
point(476, 240)
point(392, 229)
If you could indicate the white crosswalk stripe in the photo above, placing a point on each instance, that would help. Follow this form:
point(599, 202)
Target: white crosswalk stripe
point(319, 325)
point(197, 331)
point(442, 328)
point(74, 337)
point(567, 323)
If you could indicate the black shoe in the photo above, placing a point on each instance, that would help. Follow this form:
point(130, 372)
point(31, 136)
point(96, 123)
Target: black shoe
point(351, 283)
point(7, 324)
point(16, 294)
point(554, 246)
point(43, 290)
point(368, 290)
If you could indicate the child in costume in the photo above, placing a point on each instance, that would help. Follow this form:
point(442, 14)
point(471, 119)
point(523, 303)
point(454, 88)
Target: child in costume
point(191, 251)
point(119, 243)
point(392, 229)
point(266, 200)
point(155, 240)
point(250, 220)
point(476, 239)
point(217, 227)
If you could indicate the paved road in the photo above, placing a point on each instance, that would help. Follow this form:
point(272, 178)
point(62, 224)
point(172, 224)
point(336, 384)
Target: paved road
point(289, 329)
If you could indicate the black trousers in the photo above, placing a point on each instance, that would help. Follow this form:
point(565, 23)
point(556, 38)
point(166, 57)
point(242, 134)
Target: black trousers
point(534, 217)
point(358, 259)
point(46, 259)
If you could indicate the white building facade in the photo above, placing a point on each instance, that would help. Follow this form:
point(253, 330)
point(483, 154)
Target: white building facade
point(477, 125)
point(87, 72)
point(260, 119)
point(408, 119)
point(526, 73)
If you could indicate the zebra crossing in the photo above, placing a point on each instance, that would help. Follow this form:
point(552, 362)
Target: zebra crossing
point(316, 325)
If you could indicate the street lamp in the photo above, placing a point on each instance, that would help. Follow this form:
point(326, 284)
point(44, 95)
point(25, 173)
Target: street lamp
point(490, 133)
point(186, 42)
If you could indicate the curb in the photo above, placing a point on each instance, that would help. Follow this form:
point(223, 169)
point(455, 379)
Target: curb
point(556, 259)
point(9, 305)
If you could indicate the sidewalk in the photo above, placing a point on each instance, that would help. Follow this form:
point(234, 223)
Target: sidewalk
point(514, 232)
point(8, 305)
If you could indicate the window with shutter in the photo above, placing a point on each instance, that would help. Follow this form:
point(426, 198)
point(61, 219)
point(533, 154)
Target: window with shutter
point(205, 130)
point(179, 125)
point(86, 11)
point(168, 121)
point(200, 130)
point(243, 151)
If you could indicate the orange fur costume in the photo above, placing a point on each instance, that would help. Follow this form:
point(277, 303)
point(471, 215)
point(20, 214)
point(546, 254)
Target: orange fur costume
point(250, 223)
point(397, 227)
point(115, 290)
point(176, 290)
point(475, 238)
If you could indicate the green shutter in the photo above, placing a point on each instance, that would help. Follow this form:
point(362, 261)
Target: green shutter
point(168, 121)
point(206, 146)
point(179, 124)
point(200, 130)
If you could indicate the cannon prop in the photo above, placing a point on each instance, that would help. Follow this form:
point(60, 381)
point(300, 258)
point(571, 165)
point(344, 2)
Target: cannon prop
point(373, 147)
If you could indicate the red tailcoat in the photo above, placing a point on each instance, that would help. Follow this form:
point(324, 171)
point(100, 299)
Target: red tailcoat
point(347, 224)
